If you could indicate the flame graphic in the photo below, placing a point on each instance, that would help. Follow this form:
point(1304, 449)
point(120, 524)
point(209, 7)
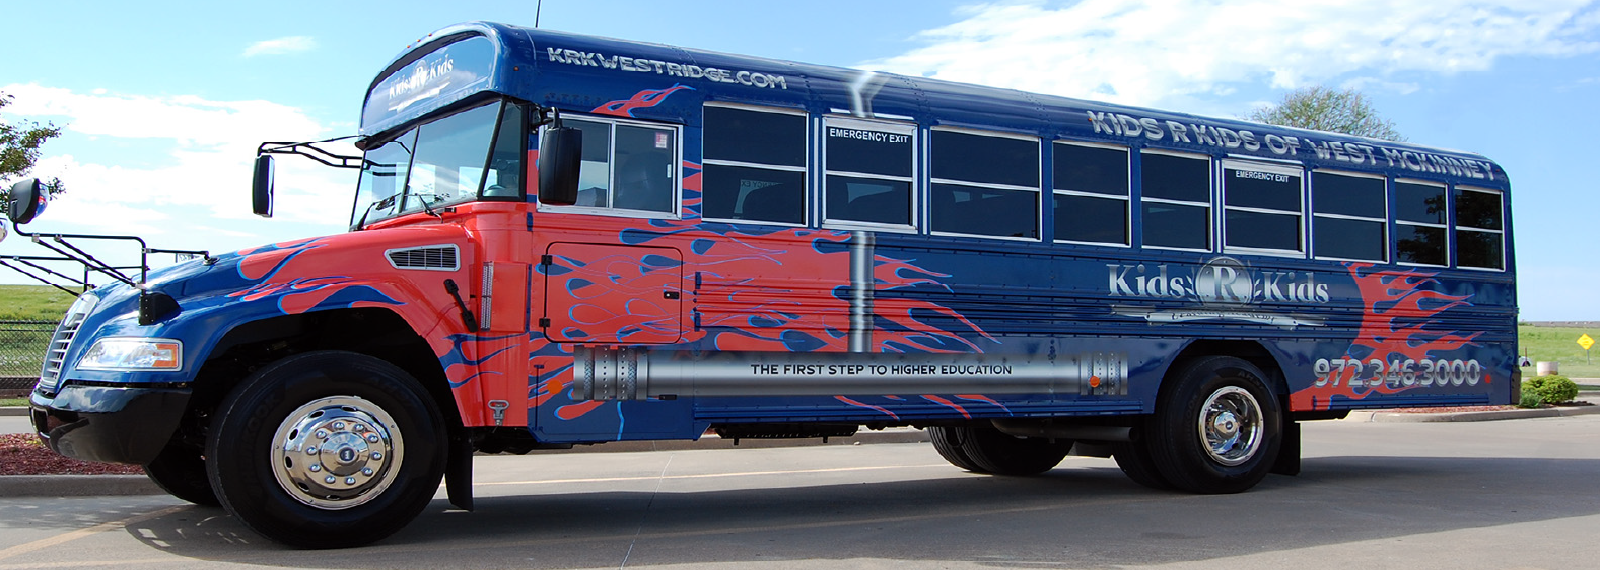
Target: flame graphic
point(640, 100)
point(1398, 308)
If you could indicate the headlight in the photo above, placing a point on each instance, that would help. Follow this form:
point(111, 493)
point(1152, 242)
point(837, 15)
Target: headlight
point(121, 353)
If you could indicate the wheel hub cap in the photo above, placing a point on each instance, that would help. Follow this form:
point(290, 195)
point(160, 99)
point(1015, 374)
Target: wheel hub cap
point(336, 453)
point(1230, 426)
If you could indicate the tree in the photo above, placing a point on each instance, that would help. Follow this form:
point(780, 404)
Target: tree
point(19, 147)
point(1324, 109)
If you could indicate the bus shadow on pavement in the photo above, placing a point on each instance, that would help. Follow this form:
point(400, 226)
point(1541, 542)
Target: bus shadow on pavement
point(1086, 512)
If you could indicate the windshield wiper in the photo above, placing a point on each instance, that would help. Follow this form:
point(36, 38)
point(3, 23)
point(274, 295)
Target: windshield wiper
point(389, 202)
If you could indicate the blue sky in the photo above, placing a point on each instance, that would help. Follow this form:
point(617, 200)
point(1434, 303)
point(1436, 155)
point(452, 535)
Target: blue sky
point(163, 105)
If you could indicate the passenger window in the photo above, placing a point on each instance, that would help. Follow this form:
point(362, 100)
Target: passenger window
point(1479, 238)
point(754, 165)
point(1176, 201)
point(984, 185)
point(1090, 193)
point(627, 167)
point(868, 169)
point(1348, 217)
point(1420, 231)
point(1261, 207)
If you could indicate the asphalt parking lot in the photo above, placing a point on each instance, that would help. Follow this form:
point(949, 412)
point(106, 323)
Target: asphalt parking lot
point(1502, 494)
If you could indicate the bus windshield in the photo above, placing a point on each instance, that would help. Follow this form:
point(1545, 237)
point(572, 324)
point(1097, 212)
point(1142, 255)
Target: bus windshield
point(447, 161)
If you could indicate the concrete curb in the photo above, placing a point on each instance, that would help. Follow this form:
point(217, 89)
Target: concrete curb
point(76, 485)
point(13, 411)
point(1486, 416)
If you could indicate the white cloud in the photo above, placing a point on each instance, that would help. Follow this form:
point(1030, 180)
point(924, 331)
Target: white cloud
point(203, 157)
point(1156, 51)
point(280, 46)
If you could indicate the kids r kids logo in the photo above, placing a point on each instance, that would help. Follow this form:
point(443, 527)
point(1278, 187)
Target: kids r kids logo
point(1222, 281)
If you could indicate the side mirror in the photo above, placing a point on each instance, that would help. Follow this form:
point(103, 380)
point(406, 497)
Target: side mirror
point(560, 149)
point(26, 201)
point(261, 187)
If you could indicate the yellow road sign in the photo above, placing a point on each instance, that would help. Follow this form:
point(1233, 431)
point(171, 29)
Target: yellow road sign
point(1585, 341)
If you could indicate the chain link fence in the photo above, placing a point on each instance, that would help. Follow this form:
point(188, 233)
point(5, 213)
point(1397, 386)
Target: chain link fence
point(22, 349)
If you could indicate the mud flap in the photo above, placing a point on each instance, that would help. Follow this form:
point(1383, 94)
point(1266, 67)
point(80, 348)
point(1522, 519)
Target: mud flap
point(1289, 460)
point(459, 470)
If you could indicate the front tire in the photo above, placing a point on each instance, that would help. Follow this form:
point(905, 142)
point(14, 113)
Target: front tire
point(327, 450)
point(181, 472)
point(1216, 429)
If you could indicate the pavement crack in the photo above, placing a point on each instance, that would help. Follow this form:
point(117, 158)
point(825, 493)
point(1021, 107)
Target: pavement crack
point(641, 528)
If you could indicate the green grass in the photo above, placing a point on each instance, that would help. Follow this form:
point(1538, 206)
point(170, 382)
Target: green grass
point(33, 303)
point(12, 402)
point(1560, 344)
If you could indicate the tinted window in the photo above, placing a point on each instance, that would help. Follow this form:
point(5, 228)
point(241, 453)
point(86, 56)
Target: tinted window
point(1262, 230)
point(883, 152)
point(869, 200)
point(1260, 189)
point(1176, 225)
point(1344, 238)
point(1090, 169)
point(986, 159)
point(1347, 195)
point(869, 150)
point(984, 211)
point(1419, 203)
point(756, 194)
point(1478, 209)
point(1478, 249)
point(1091, 219)
point(1175, 178)
point(754, 136)
point(1420, 244)
point(754, 167)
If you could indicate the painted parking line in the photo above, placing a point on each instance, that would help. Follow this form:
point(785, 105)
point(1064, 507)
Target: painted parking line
point(85, 532)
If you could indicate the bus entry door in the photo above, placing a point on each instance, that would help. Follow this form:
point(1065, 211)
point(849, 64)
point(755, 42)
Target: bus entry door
point(613, 294)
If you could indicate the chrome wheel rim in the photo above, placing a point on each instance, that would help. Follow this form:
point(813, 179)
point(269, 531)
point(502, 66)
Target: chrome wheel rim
point(1230, 426)
point(337, 452)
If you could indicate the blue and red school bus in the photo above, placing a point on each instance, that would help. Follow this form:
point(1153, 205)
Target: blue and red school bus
point(560, 240)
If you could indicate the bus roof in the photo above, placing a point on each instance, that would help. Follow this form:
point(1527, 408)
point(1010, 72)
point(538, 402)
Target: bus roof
point(586, 73)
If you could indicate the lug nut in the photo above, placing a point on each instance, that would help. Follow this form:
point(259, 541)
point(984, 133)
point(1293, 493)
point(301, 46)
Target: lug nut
point(361, 428)
point(350, 480)
point(311, 450)
point(339, 425)
point(375, 455)
point(322, 434)
point(366, 471)
point(330, 479)
point(315, 468)
point(372, 438)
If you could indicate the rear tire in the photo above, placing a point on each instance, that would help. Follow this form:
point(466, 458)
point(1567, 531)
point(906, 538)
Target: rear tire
point(948, 442)
point(988, 450)
point(1136, 463)
point(327, 450)
point(1216, 428)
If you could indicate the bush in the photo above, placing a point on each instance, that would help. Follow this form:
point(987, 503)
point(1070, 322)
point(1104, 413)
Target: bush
point(1530, 399)
point(1552, 389)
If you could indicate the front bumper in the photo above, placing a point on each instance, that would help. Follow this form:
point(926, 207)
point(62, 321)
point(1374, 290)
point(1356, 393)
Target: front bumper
point(109, 424)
